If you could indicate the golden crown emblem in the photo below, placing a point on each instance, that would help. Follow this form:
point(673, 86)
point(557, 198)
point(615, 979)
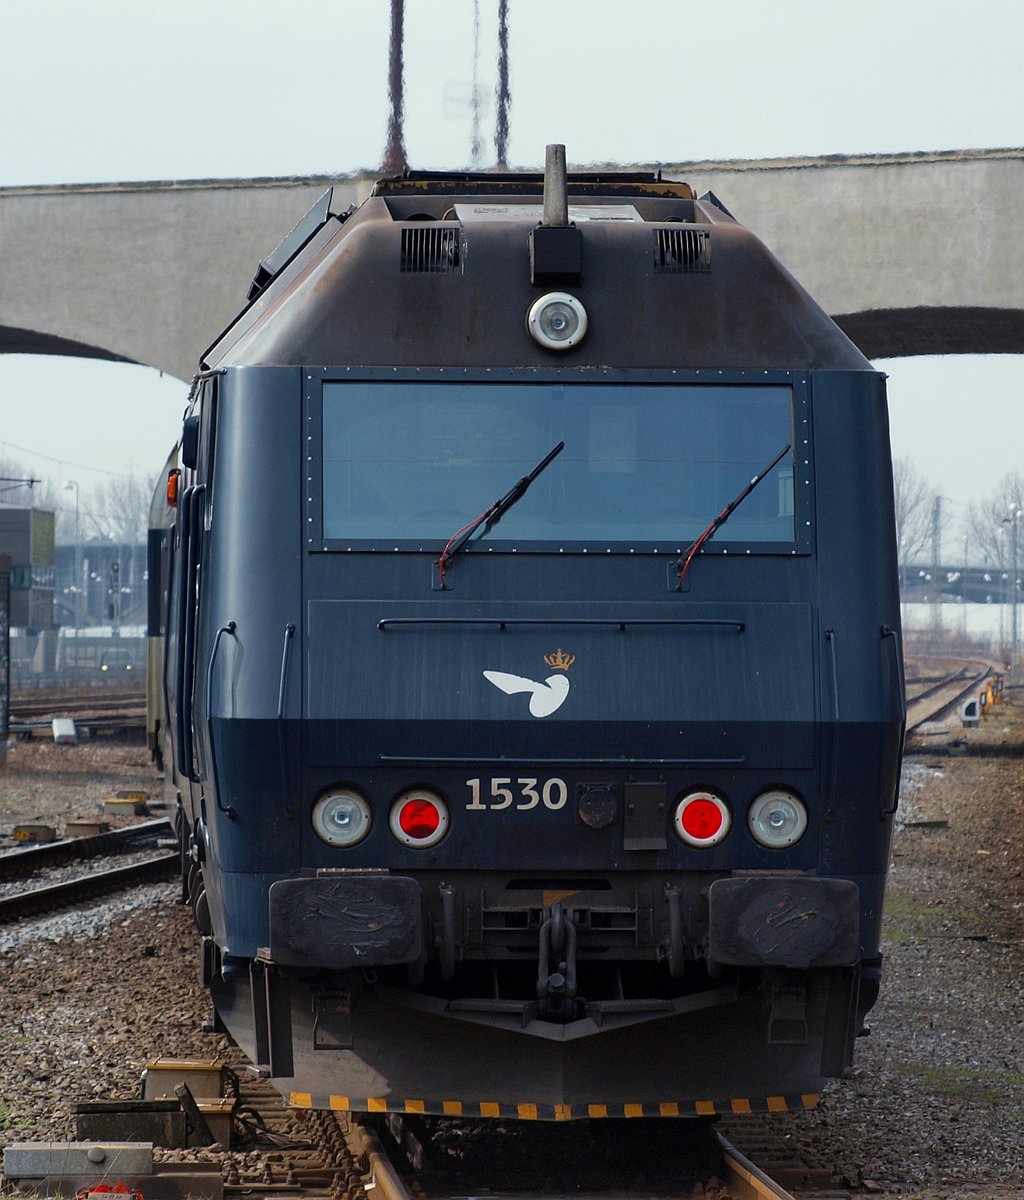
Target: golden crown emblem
point(559, 661)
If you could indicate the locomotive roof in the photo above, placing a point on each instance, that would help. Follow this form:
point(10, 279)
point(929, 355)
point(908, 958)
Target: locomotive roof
point(440, 269)
point(522, 183)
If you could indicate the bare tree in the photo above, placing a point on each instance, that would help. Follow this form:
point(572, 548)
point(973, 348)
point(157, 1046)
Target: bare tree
point(992, 521)
point(118, 510)
point(915, 502)
point(114, 511)
point(17, 485)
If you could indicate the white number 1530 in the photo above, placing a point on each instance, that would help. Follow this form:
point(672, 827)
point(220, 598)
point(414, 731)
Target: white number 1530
point(497, 793)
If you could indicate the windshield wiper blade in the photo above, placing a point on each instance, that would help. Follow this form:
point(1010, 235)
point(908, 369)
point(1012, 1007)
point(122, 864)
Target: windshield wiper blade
point(725, 514)
point(494, 513)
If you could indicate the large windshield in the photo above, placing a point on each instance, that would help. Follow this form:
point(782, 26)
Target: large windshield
point(643, 463)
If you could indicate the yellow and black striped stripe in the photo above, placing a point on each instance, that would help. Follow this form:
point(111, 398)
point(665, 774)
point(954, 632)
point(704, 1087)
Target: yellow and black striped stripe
point(555, 1112)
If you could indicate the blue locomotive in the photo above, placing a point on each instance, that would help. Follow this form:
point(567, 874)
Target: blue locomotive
point(532, 681)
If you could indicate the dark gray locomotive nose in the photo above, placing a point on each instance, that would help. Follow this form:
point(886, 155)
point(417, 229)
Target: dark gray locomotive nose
point(532, 688)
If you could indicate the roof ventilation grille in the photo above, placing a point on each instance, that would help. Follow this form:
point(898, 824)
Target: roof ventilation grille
point(682, 252)
point(431, 249)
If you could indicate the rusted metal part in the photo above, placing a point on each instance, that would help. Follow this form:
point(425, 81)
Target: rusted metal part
point(106, 723)
point(382, 1175)
point(394, 153)
point(343, 1165)
point(742, 1178)
point(100, 700)
point(504, 91)
point(621, 183)
point(746, 1181)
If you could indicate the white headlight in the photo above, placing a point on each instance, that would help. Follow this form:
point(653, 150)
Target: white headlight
point(341, 818)
point(557, 321)
point(777, 819)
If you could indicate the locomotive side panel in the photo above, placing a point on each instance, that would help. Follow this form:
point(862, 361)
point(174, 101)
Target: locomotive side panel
point(235, 695)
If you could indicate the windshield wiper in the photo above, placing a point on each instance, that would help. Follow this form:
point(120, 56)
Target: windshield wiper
point(493, 514)
point(724, 515)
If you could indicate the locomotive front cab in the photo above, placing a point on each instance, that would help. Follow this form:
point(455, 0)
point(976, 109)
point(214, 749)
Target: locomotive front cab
point(651, 751)
point(541, 711)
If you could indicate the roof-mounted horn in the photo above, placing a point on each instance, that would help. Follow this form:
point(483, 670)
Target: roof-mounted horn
point(556, 247)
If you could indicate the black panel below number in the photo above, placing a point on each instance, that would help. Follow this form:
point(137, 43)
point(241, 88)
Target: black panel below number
point(643, 825)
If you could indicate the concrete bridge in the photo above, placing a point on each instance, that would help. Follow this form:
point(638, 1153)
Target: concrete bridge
point(956, 584)
point(912, 254)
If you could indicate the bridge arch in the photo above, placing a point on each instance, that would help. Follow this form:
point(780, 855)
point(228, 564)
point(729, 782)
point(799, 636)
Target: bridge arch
point(32, 341)
point(906, 332)
point(914, 254)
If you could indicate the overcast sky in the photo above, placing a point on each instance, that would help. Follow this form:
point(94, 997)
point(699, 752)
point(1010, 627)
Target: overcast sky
point(104, 90)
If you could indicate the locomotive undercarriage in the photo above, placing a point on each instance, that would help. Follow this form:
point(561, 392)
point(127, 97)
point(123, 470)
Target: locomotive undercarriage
point(358, 1039)
point(553, 941)
point(587, 962)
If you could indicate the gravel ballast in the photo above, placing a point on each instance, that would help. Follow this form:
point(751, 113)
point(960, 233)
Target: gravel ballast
point(935, 1111)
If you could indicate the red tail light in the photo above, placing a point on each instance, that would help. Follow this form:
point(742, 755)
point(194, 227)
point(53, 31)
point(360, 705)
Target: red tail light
point(419, 818)
point(702, 819)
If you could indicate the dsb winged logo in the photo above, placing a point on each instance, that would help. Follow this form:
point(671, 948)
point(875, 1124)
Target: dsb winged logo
point(547, 696)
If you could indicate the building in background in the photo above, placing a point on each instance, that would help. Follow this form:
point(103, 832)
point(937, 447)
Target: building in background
point(27, 539)
point(111, 589)
point(5, 653)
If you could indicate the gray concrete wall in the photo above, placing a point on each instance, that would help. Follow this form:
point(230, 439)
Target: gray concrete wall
point(145, 272)
point(912, 254)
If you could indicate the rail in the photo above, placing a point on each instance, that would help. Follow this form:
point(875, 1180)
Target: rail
point(743, 1180)
point(22, 860)
point(72, 891)
point(935, 700)
point(67, 704)
point(95, 710)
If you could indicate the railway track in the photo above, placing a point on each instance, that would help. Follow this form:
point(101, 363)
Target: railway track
point(23, 860)
point(97, 709)
point(34, 901)
point(931, 701)
point(313, 1154)
point(703, 1163)
point(342, 1159)
point(68, 704)
point(25, 893)
point(334, 1158)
